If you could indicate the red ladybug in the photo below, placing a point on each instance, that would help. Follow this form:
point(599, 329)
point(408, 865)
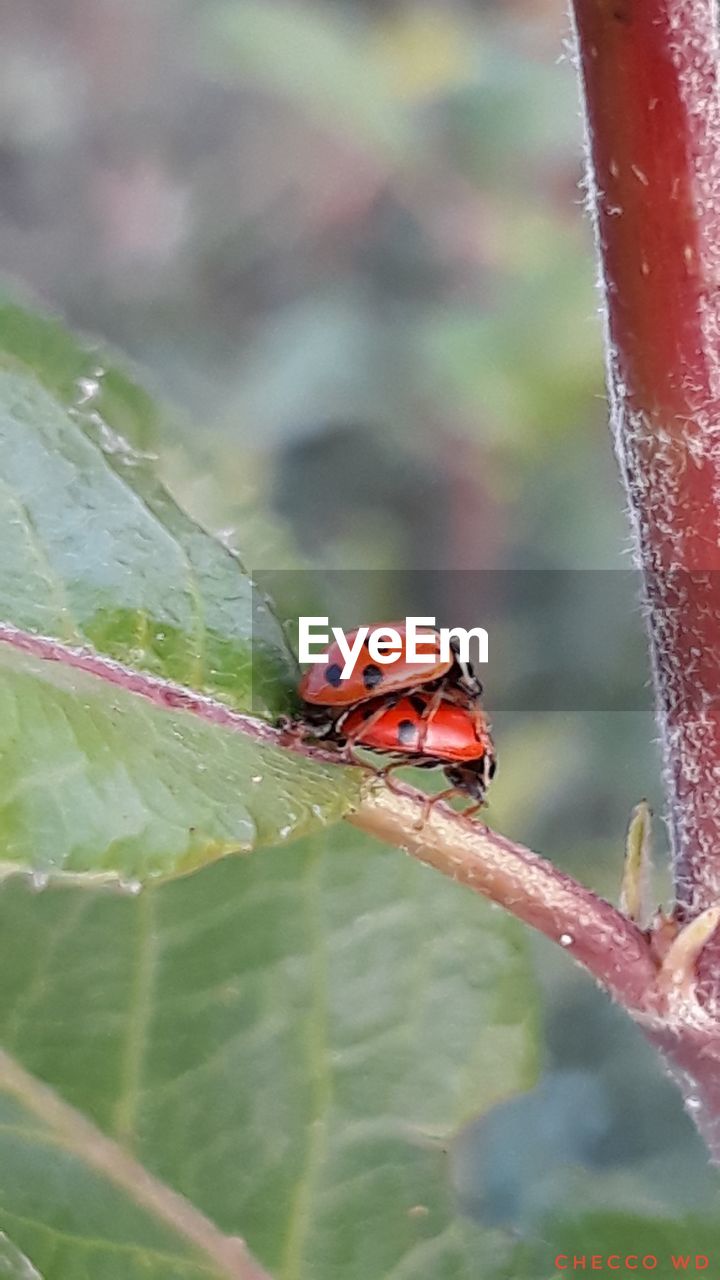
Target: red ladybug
point(323, 685)
point(418, 730)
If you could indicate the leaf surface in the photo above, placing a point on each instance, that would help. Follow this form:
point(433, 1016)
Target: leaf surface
point(96, 556)
point(656, 1238)
point(290, 1042)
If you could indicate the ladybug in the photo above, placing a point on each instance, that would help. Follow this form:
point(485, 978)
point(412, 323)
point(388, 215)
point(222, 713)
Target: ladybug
point(418, 730)
point(323, 686)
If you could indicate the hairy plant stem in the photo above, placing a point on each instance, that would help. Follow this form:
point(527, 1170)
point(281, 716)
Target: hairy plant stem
point(649, 71)
point(594, 932)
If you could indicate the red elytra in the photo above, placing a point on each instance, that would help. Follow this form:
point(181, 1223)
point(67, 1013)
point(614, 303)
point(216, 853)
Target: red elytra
point(426, 731)
point(323, 685)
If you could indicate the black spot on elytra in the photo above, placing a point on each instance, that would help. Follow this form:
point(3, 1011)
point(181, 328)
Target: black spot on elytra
point(371, 676)
point(418, 704)
point(622, 12)
point(407, 732)
point(333, 674)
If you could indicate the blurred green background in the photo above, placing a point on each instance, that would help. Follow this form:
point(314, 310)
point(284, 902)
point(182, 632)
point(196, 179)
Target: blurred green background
point(345, 243)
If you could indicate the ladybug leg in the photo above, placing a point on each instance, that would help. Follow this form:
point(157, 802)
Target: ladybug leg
point(468, 681)
point(385, 772)
point(293, 725)
point(481, 731)
point(348, 739)
point(313, 725)
point(351, 738)
point(447, 794)
point(473, 809)
point(349, 751)
point(451, 693)
point(429, 805)
point(290, 728)
point(429, 715)
point(296, 729)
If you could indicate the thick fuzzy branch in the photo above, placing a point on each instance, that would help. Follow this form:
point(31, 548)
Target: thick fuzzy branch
point(650, 77)
point(600, 937)
point(650, 74)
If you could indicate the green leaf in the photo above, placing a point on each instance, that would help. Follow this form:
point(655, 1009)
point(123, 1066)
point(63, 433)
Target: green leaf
point(585, 1234)
point(95, 554)
point(289, 1042)
point(97, 779)
point(13, 1264)
point(80, 375)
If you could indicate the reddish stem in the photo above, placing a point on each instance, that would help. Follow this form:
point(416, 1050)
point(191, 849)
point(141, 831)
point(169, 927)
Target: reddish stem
point(614, 950)
point(650, 75)
point(165, 694)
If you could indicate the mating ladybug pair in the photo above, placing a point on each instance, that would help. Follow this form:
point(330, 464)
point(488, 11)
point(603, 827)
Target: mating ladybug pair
point(423, 714)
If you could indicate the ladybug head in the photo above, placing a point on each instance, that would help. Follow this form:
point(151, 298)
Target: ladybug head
point(472, 778)
point(466, 676)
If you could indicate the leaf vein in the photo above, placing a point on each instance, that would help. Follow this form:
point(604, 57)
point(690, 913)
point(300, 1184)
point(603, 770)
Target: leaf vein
point(81, 1138)
point(138, 1022)
point(94, 1243)
point(319, 1073)
point(71, 632)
